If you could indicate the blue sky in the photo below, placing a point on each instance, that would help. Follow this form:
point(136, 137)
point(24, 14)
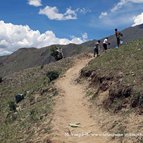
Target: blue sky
point(38, 23)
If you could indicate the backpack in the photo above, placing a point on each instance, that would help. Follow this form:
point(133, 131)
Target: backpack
point(119, 34)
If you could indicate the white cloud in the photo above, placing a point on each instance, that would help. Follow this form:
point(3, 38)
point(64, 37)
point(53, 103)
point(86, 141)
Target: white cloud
point(103, 14)
point(124, 17)
point(79, 40)
point(35, 3)
point(135, 1)
point(138, 19)
point(4, 52)
point(54, 14)
point(111, 21)
point(119, 5)
point(85, 36)
point(83, 10)
point(122, 3)
point(13, 37)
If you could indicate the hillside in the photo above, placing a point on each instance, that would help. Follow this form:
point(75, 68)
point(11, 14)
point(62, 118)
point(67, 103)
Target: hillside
point(26, 120)
point(116, 88)
point(112, 83)
point(31, 57)
point(129, 34)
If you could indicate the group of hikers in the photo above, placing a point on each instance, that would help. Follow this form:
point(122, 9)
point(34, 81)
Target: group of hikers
point(106, 42)
point(58, 53)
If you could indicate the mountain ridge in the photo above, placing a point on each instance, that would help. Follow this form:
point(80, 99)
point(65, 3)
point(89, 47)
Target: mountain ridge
point(31, 57)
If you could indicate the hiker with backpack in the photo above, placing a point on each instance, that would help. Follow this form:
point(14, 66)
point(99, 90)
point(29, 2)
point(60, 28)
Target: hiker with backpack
point(105, 44)
point(96, 48)
point(119, 36)
point(57, 53)
point(60, 54)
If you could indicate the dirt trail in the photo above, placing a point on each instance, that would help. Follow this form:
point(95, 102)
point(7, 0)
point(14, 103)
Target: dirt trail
point(72, 107)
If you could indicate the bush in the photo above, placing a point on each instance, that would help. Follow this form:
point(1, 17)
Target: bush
point(1, 79)
point(11, 117)
point(137, 100)
point(42, 66)
point(52, 75)
point(12, 106)
point(34, 115)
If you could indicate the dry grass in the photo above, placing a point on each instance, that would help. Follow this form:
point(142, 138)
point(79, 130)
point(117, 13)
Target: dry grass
point(35, 110)
point(116, 77)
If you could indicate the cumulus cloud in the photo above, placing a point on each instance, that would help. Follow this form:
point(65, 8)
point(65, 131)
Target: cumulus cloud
point(120, 12)
point(122, 3)
point(79, 40)
point(4, 52)
point(83, 10)
point(53, 13)
point(13, 37)
point(138, 19)
point(103, 14)
point(35, 3)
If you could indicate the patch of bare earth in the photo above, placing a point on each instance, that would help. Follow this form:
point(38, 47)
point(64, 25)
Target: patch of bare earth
point(72, 121)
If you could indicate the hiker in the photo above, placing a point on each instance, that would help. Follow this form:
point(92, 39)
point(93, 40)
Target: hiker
point(105, 44)
point(96, 48)
point(118, 35)
point(59, 54)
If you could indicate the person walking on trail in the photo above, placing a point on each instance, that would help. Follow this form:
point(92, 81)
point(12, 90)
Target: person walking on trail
point(105, 43)
point(60, 53)
point(119, 36)
point(57, 53)
point(96, 48)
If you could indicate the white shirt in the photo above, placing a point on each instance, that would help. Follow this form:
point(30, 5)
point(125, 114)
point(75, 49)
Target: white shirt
point(105, 41)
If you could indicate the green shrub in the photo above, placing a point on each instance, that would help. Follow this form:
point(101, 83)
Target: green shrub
point(52, 75)
point(11, 117)
point(34, 115)
point(1, 79)
point(42, 66)
point(12, 106)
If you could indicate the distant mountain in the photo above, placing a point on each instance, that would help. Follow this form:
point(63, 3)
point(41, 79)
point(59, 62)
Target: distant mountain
point(30, 57)
point(129, 34)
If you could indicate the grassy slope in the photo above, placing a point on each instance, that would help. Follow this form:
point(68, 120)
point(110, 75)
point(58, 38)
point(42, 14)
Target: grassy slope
point(35, 109)
point(117, 70)
point(127, 60)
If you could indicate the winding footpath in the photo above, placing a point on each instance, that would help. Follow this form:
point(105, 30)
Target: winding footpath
point(72, 121)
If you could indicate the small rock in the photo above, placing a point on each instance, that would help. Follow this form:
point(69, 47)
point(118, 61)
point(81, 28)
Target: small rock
point(120, 74)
